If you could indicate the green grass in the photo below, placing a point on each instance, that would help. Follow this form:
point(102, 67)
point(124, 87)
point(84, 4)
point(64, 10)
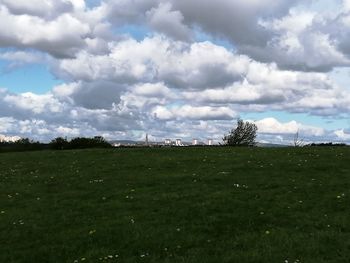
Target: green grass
point(176, 205)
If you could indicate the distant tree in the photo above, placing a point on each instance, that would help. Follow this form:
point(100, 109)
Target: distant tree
point(243, 135)
point(100, 140)
point(25, 144)
point(59, 143)
point(82, 143)
point(297, 141)
point(24, 141)
point(327, 144)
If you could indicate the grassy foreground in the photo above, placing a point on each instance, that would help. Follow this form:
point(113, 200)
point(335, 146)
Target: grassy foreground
point(176, 205)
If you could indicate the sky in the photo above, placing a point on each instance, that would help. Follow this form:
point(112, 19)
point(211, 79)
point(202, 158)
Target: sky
point(175, 69)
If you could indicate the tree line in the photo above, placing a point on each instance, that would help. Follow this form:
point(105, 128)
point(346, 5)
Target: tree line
point(58, 143)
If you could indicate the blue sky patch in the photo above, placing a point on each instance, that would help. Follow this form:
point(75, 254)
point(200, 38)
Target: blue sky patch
point(34, 78)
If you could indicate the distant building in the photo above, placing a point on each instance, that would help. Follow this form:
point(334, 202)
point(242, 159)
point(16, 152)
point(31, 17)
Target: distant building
point(178, 142)
point(167, 141)
point(146, 141)
point(210, 142)
point(4, 138)
point(194, 142)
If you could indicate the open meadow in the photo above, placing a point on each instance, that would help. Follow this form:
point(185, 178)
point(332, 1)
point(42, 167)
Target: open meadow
point(203, 205)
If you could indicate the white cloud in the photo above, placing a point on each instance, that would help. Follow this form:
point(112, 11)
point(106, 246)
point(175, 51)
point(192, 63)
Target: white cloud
point(342, 135)
point(40, 8)
point(21, 56)
point(301, 42)
point(285, 32)
point(273, 126)
point(153, 90)
point(60, 37)
point(193, 113)
point(65, 90)
point(165, 20)
point(35, 103)
point(346, 5)
point(67, 131)
point(6, 124)
point(205, 73)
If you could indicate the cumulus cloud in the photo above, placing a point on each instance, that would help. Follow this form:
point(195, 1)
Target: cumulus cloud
point(60, 37)
point(33, 102)
point(40, 8)
point(21, 57)
point(273, 126)
point(285, 32)
point(168, 82)
point(193, 113)
point(6, 124)
point(342, 135)
point(153, 90)
point(231, 18)
point(17, 59)
point(301, 41)
point(202, 73)
point(60, 28)
point(165, 20)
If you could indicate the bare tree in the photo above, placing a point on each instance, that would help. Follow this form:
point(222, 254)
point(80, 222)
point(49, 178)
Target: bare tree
point(297, 141)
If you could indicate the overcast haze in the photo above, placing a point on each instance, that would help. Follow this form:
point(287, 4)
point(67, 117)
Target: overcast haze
point(175, 68)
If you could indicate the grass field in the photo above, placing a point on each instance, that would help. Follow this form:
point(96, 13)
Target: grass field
point(176, 205)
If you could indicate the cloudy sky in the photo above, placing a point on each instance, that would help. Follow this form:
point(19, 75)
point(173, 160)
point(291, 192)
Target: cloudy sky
point(175, 68)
